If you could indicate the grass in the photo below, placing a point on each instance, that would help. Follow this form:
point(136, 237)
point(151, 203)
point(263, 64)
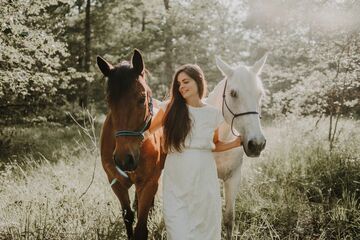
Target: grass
point(52, 141)
point(297, 189)
point(49, 140)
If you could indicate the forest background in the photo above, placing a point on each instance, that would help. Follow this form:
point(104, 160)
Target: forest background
point(48, 51)
point(49, 78)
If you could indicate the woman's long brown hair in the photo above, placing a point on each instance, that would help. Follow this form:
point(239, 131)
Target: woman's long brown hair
point(177, 123)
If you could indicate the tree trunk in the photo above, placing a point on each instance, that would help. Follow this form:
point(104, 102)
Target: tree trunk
point(168, 71)
point(167, 4)
point(143, 22)
point(330, 127)
point(87, 37)
point(85, 95)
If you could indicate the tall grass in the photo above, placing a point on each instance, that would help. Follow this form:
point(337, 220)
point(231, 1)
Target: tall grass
point(68, 197)
point(49, 140)
point(296, 190)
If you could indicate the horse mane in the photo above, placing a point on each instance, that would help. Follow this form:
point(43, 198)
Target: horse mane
point(260, 85)
point(215, 93)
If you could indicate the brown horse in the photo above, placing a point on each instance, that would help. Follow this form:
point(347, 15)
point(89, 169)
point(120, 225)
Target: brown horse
point(126, 157)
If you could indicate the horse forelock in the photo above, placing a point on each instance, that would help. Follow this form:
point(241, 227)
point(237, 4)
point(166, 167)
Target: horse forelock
point(216, 94)
point(248, 79)
point(121, 78)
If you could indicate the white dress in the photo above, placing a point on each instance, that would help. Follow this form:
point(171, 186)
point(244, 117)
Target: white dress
point(191, 192)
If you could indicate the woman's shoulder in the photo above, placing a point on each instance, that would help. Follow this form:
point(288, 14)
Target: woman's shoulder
point(214, 115)
point(212, 109)
point(207, 111)
point(206, 108)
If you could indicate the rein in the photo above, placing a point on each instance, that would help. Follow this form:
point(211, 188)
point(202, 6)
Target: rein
point(235, 115)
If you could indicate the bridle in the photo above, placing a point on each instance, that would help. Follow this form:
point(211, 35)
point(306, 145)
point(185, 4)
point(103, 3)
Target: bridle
point(140, 133)
point(235, 115)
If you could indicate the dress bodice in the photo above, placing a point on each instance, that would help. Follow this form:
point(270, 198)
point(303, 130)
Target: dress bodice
point(204, 120)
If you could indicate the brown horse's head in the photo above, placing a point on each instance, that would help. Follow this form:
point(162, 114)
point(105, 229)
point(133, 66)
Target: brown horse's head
point(129, 100)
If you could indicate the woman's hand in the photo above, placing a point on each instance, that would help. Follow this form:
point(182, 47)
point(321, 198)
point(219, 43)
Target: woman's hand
point(238, 141)
point(156, 122)
point(222, 146)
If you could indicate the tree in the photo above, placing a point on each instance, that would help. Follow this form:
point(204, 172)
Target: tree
point(314, 64)
point(32, 56)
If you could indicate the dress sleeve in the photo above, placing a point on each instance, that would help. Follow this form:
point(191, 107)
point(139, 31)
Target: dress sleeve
point(219, 119)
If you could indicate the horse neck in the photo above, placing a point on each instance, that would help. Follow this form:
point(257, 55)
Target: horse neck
point(215, 96)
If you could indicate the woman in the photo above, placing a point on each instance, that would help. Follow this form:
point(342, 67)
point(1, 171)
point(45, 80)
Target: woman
point(191, 192)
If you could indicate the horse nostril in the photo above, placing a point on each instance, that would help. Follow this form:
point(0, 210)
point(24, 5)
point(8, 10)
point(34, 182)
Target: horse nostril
point(116, 159)
point(264, 144)
point(251, 145)
point(129, 161)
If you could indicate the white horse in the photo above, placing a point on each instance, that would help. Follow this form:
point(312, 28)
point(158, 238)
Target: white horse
point(240, 105)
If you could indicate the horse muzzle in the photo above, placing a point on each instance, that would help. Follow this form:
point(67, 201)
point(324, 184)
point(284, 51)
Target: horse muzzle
point(127, 162)
point(254, 147)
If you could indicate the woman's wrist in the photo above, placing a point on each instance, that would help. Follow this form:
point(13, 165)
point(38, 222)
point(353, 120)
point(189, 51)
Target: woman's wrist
point(238, 142)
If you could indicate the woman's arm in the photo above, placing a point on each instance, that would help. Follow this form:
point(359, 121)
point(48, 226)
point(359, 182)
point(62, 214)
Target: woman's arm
point(156, 122)
point(223, 146)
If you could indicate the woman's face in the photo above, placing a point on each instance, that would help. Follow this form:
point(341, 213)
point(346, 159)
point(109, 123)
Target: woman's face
point(187, 86)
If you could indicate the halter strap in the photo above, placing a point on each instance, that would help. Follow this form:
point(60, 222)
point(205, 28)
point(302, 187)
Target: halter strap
point(235, 115)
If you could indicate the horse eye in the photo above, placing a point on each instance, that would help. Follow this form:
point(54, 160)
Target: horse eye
point(142, 100)
point(233, 93)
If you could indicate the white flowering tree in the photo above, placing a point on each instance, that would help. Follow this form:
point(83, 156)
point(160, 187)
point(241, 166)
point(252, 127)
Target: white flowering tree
point(315, 64)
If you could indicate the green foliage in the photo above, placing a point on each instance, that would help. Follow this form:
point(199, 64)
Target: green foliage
point(195, 35)
point(48, 140)
point(313, 65)
point(5, 142)
point(325, 83)
point(34, 76)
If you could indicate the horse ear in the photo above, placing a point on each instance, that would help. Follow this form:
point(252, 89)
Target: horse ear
point(104, 66)
point(137, 62)
point(223, 66)
point(258, 66)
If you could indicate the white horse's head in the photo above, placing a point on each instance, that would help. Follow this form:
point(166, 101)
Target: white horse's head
point(241, 104)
